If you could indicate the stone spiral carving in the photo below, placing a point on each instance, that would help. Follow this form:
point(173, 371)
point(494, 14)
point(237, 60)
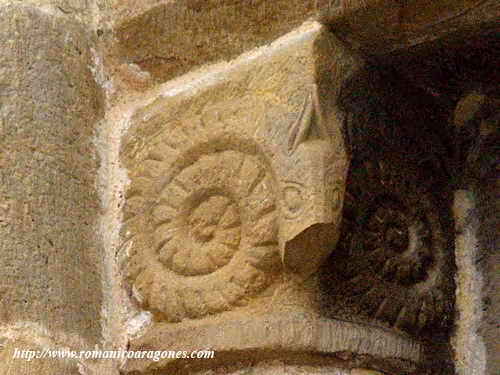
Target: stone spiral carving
point(399, 241)
point(393, 263)
point(199, 220)
point(207, 238)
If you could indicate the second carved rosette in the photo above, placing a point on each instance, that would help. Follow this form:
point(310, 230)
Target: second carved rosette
point(394, 262)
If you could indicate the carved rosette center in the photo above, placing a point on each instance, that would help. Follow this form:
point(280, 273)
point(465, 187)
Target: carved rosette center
point(399, 241)
point(210, 236)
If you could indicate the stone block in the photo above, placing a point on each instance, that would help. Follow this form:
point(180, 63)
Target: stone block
point(77, 9)
point(280, 333)
point(381, 26)
point(169, 38)
point(12, 364)
point(365, 372)
point(476, 242)
point(275, 367)
point(50, 257)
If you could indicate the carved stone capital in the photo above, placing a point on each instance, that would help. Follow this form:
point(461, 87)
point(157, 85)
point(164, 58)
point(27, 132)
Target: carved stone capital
point(228, 173)
point(237, 182)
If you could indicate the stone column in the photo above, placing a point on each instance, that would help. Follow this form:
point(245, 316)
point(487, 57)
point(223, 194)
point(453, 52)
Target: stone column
point(50, 257)
point(476, 225)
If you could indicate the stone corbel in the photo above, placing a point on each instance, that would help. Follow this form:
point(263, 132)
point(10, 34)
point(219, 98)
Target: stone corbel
point(228, 175)
point(237, 178)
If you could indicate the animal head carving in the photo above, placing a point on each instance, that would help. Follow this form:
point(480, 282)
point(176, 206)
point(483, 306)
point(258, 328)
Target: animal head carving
point(312, 189)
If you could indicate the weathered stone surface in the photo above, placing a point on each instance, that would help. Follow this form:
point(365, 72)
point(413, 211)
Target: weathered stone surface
point(49, 103)
point(470, 349)
point(169, 38)
point(79, 9)
point(379, 26)
point(226, 172)
point(275, 367)
point(365, 372)
point(9, 365)
point(314, 179)
point(487, 192)
point(286, 333)
point(476, 242)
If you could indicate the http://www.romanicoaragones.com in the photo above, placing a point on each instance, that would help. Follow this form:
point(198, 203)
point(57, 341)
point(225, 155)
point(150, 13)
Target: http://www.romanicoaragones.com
point(154, 355)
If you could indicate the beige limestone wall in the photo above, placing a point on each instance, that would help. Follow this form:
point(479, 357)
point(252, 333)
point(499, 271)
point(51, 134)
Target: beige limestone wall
point(277, 367)
point(165, 39)
point(470, 348)
point(83, 11)
point(475, 340)
point(381, 26)
point(50, 253)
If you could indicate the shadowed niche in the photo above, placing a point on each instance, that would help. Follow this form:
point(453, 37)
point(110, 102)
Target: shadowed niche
point(394, 263)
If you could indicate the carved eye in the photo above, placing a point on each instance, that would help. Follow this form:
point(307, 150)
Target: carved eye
point(293, 199)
